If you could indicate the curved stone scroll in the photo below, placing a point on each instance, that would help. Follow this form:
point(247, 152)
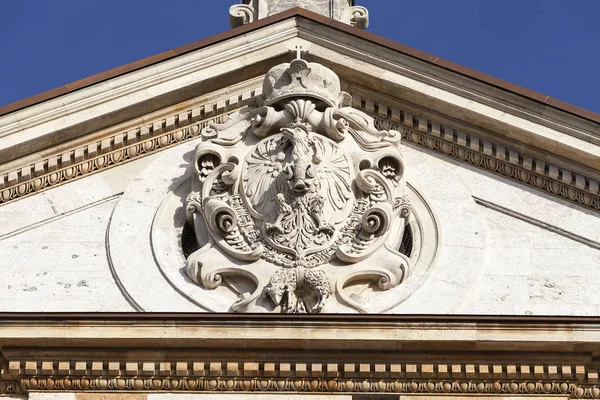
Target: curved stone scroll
point(223, 225)
point(357, 16)
point(373, 183)
point(221, 219)
point(205, 268)
point(294, 186)
point(240, 14)
point(387, 267)
point(374, 228)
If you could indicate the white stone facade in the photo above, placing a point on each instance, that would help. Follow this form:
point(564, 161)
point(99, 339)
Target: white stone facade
point(298, 167)
point(524, 240)
point(55, 251)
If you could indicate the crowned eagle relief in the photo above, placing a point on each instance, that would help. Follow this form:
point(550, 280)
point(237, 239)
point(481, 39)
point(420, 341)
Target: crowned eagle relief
point(297, 180)
point(296, 197)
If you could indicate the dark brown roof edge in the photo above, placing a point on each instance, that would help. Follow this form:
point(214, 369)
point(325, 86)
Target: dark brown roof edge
point(530, 94)
point(145, 62)
point(471, 73)
point(247, 318)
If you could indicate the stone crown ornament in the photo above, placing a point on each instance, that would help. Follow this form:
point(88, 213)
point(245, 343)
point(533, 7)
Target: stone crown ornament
point(301, 79)
point(297, 198)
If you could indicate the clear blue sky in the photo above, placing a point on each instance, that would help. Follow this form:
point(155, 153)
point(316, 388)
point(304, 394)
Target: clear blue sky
point(550, 46)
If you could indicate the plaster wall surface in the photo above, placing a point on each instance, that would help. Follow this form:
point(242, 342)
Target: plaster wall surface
point(53, 246)
point(494, 263)
point(543, 262)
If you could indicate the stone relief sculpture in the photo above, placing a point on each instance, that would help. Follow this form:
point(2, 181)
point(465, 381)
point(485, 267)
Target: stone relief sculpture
point(298, 197)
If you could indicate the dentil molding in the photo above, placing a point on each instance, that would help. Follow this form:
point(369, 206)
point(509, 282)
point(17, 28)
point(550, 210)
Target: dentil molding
point(325, 376)
point(118, 148)
point(518, 166)
point(485, 153)
point(303, 354)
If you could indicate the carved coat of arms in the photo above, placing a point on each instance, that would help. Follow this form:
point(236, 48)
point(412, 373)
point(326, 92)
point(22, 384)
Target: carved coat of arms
point(298, 196)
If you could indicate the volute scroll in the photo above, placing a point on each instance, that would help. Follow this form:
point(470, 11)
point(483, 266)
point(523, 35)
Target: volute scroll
point(302, 195)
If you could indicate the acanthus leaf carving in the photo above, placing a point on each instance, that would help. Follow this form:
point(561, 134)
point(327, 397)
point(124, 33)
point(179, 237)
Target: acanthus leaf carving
point(300, 192)
point(363, 129)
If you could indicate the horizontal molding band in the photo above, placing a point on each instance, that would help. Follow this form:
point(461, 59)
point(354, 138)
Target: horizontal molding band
point(485, 154)
point(116, 149)
point(333, 369)
point(303, 385)
point(147, 139)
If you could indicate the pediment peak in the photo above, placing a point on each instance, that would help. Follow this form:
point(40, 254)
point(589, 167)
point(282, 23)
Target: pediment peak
point(339, 10)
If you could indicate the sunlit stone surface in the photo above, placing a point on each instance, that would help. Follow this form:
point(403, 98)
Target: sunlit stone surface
point(329, 8)
point(341, 10)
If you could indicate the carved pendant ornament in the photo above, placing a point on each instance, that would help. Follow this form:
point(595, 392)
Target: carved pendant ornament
point(296, 199)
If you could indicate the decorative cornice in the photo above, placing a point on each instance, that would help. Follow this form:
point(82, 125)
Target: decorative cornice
point(304, 385)
point(525, 378)
point(393, 354)
point(491, 156)
point(116, 149)
point(425, 132)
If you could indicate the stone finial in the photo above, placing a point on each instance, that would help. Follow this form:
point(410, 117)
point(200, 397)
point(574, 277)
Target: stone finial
point(340, 10)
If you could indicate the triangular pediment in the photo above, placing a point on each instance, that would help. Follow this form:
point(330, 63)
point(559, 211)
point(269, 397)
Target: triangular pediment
point(298, 165)
point(447, 108)
point(473, 146)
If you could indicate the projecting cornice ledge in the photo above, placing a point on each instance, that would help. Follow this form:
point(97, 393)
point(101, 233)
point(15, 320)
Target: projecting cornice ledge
point(427, 88)
point(327, 332)
point(300, 354)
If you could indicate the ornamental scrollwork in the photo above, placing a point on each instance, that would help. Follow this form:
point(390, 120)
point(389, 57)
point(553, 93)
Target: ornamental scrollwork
point(298, 196)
